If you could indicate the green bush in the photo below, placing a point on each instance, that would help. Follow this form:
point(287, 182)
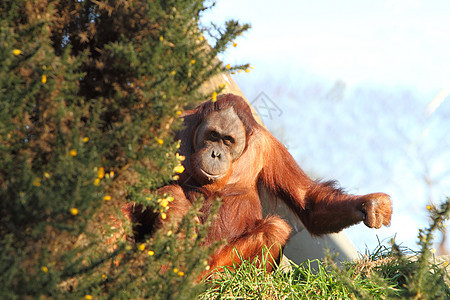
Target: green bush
point(90, 95)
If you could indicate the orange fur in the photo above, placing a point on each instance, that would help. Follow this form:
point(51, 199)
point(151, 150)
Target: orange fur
point(322, 207)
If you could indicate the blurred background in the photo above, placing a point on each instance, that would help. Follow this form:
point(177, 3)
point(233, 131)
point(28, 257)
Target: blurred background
point(358, 91)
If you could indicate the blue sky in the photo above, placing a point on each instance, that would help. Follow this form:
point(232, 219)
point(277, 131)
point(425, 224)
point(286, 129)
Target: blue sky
point(387, 42)
point(387, 61)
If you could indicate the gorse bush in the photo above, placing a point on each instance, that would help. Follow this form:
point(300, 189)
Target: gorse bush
point(90, 95)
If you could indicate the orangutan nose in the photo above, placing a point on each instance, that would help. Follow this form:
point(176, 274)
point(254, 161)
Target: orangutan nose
point(215, 154)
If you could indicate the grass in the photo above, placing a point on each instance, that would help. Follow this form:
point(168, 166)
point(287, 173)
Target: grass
point(249, 281)
point(388, 272)
point(380, 275)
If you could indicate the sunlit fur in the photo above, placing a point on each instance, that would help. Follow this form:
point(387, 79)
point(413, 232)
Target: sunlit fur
point(321, 206)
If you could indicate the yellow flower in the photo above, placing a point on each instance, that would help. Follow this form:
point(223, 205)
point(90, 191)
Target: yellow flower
point(429, 207)
point(151, 253)
point(44, 269)
point(222, 85)
point(178, 112)
point(141, 247)
point(201, 38)
point(101, 172)
point(228, 66)
point(97, 181)
point(161, 38)
point(111, 174)
point(179, 169)
point(175, 177)
point(160, 141)
point(163, 216)
point(44, 79)
point(234, 44)
point(180, 273)
point(247, 70)
point(104, 276)
point(214, 97)
point(107, 198)
point(170, 198)
point(175, 270)
point(207, 268)
point(173, 73)
point(85, 139)
point(47, 175)
point(88, 297)
point(192, 61)
point(74, 211)
point(17, 52)
point(180, 157)
point(163, 202)
point(37, 182)
point(73, 152)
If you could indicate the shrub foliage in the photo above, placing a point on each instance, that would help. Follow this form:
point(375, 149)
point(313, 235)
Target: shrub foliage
point(90, 95)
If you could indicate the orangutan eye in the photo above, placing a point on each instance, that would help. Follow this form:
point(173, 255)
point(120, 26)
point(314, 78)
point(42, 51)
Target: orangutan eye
point(214, 134)
point(229, 139)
